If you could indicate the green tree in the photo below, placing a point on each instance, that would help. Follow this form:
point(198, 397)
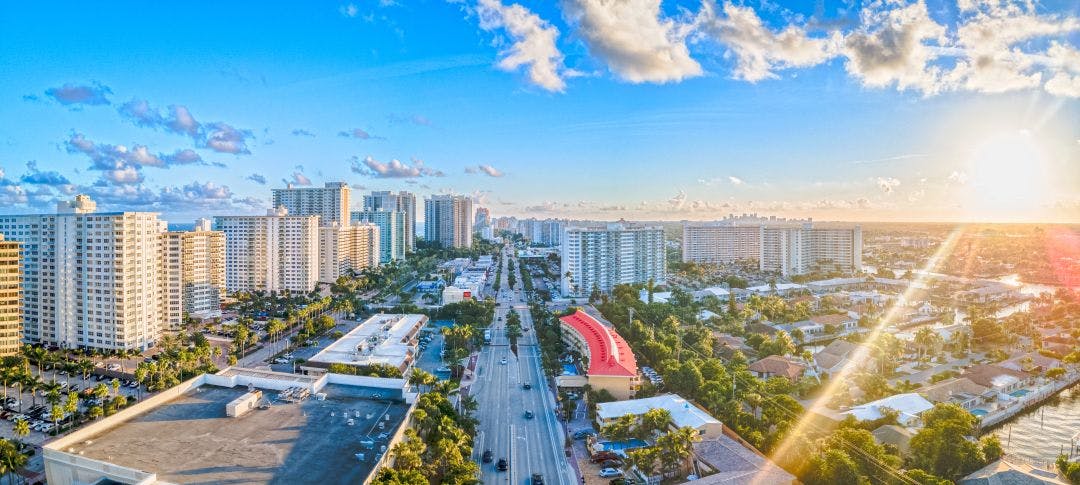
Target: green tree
point(832, 467)
point(941, 446)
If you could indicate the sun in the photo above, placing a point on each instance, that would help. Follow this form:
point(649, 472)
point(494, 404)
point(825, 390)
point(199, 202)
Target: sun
point(1008, 178)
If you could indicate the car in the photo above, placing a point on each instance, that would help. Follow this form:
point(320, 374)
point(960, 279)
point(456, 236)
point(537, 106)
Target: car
point(528, 414)
point(620, 481)
point(537, 479)
point(486, 457)
point(503, 361)
point(526, 386)
point(502, 465)
point(582, 433)
point(610, 472)
point(612, 464)
point(602, 456)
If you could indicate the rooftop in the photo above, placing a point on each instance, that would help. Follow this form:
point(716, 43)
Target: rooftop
point(190, 439)
point(989, 375)
point(909, 405)
point(780, 366)
point(683, 413)
point(381, 339)
point(737, 464)
point(610, 355)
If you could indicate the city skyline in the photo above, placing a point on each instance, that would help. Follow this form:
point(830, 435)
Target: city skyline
point(844, 112)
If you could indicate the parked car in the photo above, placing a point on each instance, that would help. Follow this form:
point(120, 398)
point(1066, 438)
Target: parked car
point(610, 472)
point(612, 464)
point(583, 433)
point(502, 465)
point(602, 456)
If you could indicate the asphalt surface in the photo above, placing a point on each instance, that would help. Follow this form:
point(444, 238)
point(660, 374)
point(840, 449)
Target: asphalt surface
point(530, 445)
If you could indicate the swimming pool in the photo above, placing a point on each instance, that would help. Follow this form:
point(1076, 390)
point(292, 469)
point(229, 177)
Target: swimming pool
point(1020, 393)
point(569, 370)
point(980, 412)
point(622, 445)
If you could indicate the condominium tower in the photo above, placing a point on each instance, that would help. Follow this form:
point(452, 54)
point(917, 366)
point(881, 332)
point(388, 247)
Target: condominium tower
point(392, 229)
point(194, 282)
point(787, 247)
point(10, 297)
point(330, 202)
point(274, 252)
point(347, 248)
point(602, 257)
point(448, 220)
point(403, 202)
point(90, 279)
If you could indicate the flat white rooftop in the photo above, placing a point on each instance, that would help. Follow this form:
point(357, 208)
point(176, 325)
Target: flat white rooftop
point(381, 339)
point(682, 412)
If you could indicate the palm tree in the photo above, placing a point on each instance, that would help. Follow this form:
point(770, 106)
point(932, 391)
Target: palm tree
point(115, 385)
point(11, 459)
point(22, 428)
point(57, 413)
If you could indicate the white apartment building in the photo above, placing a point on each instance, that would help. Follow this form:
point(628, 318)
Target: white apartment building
point(392, 232)
point(720, 243)
point(788, 247)
point(90, 279)
point(448, 220)
point(544, 232)
point(345, 248)
point(330, 202)
point(602, 257)
point(275, 252)
point(403, 202)
point(194, 273)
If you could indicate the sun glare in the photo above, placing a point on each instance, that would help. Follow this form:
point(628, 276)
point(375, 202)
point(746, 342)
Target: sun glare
point(1008, 177)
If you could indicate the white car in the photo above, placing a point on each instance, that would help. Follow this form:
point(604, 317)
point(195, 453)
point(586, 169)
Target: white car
point(503, 361)
point(610, 472)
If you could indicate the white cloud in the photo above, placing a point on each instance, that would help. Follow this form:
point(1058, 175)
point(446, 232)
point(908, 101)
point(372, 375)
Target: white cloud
point(891, 47)
point(393, 169)
point(350, 10)
point(887, 184)
point(533, 42)
point(484, 169)
point(758, 50)
point(956, 178)
point(637, 44)
point(298, 179)
point(735, 180)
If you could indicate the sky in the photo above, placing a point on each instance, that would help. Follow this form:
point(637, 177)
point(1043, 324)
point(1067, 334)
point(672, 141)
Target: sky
point(888, 110)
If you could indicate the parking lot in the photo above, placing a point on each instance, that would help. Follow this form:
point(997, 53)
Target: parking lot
point(35, 409)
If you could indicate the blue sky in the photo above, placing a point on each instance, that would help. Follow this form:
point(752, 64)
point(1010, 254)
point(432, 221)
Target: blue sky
point(582, 108)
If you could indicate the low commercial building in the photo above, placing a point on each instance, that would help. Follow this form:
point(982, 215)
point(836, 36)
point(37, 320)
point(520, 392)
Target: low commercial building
point(185, 434)
point(610, 362)
point(683, 413)
point(453, 294)
point(382, 340)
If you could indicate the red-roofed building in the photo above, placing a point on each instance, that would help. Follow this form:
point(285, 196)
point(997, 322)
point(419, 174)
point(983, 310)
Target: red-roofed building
point(610, 362)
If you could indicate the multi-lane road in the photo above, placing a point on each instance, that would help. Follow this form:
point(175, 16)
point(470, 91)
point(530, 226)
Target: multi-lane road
point(529, 445)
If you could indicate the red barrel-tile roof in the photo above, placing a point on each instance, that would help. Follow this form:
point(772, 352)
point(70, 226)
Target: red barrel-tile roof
point(610, 355)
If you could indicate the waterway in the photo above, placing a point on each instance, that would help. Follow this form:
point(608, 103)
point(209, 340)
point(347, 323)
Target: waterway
point(1046, 431)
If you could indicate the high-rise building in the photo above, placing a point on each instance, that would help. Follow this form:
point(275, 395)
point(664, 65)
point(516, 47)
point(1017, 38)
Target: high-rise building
point(10, 297)
point(274, 252)
point(546, 232)
point(347, 248)
point(403, 202)
point(787, 247)
point(721, 243)
point(392, 229)
point(194, 266)
point(483, 217)
point(448, 220)
point(330, 202)
point(602, 257)
point(90, 279)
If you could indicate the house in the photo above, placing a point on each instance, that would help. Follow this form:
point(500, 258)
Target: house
point(891, 434)
point(997, 378)
point(838, 354)
point(730, 341)
point(683, 413)
point(960, 391)
point(706, 315)
point(1003, 471)
point(909, 406)
point(730, 460)
point(1031, 362)
point(842, 322)
point(777, 366)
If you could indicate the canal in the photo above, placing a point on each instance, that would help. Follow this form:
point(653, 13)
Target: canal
point(1042, 433)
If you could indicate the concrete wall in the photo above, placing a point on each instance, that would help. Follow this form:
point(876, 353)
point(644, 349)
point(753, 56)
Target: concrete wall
point(618, 386)
point(399, 435)
point(62, 468)
point(260, 382)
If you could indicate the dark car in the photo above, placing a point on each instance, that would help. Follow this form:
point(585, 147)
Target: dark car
point(528, 414)
point(526, 386)
point(620, 481)
point(611, 464)
point(537, 479)
point(502, 465)
point(582, 433)
point(602, 456)
point(486, 457)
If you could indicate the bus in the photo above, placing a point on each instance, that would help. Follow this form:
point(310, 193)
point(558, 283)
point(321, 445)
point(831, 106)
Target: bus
point(487, 337)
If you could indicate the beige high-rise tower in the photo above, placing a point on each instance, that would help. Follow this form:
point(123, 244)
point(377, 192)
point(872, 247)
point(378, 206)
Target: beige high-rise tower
point(10, 297)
